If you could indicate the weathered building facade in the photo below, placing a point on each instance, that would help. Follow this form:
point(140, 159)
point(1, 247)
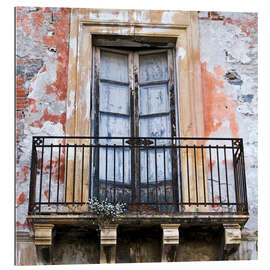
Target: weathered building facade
point(96, 74)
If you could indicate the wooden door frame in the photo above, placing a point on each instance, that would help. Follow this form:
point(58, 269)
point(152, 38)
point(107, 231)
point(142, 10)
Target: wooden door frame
point(185, 28)
point(182, 25)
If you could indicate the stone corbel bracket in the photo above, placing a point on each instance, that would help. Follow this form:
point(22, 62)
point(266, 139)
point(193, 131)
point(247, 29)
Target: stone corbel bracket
point(43, 242)
point(170, 234)
point(170, 241)
point(43, 234)
point(232, 238)
point(108, 241)
point(108, 235)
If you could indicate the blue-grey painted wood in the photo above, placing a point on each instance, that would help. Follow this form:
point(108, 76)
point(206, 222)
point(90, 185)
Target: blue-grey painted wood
point(113, 66)
point(115, 120)
point(154, 99)
point(155, 121)
point(153, 67)
point(151, 166)
point(114, 98)
point(155, 126)
point(118, 165)
point(111, 125)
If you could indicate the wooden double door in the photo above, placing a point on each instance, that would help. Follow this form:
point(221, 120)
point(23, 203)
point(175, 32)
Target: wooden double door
point(134, 97)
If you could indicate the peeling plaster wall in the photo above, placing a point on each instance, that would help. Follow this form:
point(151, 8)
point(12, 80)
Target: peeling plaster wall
point(42, 46)
point(228, 44)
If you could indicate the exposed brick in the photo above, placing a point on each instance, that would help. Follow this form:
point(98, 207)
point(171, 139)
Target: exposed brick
point(212, 15)
point(34, 61)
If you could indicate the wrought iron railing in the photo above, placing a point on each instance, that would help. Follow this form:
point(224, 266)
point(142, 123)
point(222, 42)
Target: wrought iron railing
point(151, 175)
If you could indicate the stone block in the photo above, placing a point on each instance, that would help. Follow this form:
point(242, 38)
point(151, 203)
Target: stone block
point(43, 234)
point(170, 234)
point(108, 235)
point(232, 234)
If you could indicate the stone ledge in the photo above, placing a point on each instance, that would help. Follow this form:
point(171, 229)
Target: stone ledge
point(23, 236)
point(143, 220)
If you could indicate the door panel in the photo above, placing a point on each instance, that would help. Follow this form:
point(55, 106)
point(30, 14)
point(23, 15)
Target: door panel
point(113, 176)
point(155, 121)
point(115, 165)
point(153, 67)
point(111, 125)
point(154, 99)
point(164, 170)
point(155, 126)
point(111, 94)
point(114, 66)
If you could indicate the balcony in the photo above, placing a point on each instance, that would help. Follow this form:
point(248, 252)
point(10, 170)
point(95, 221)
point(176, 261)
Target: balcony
point(164, 177)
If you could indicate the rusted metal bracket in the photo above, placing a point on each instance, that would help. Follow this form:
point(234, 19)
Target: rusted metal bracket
point(138, 142)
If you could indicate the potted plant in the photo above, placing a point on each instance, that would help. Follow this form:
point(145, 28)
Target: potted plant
point(107, 212)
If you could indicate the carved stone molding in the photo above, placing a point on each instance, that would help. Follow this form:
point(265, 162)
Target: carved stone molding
point(108, 235)
point(232, 234)
point(170, 234)
point(22, 236)
point(108, 240)
point(170, 241)
point(43, 234)
point(232, 238)
point(181, 26)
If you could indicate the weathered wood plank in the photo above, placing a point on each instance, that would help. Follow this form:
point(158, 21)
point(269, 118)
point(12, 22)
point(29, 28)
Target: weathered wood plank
point(133, 42)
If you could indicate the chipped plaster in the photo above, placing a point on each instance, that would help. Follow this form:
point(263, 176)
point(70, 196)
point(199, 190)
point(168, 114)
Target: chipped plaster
point(231, 110)
point(228, 43)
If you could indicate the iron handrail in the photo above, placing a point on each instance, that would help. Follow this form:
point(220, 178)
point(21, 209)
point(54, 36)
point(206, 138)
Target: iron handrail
point(154, 174)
